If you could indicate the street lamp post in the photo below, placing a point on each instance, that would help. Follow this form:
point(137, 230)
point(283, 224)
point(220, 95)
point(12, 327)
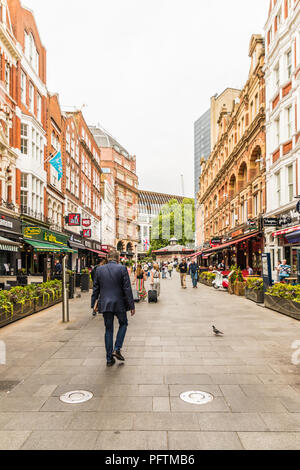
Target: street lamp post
point(65, 296)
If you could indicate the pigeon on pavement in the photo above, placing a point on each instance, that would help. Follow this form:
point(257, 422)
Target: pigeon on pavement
point(217, 332)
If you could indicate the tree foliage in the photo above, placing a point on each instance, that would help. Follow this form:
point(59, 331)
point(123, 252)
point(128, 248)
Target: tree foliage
point(175, 220)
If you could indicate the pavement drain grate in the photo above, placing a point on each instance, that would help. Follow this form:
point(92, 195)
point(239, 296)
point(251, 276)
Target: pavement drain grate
point(196, 398)
point(6, 386)
point(76, 397)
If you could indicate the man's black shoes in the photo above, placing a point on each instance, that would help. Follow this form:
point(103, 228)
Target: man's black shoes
point(111, 363)
point(118, 355)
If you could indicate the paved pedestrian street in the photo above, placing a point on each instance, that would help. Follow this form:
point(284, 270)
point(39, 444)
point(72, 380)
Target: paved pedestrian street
point(170, 348)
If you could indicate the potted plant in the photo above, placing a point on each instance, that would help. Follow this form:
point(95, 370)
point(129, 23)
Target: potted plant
point(284, 299)
point(232, 278)
point(22, 278)
point(239, 284)
point(71, 281)
point(255, 290)
point(85, 280)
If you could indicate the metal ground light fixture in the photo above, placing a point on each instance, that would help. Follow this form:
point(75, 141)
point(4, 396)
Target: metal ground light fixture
point(65, 294)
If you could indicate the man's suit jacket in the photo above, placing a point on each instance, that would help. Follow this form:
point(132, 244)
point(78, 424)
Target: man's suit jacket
point(113, 289)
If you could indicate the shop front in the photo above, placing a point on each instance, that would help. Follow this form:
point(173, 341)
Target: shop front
point(10, 254)
point(93, 252)
point(288, 243)
point(42, 249)
point(244, 249)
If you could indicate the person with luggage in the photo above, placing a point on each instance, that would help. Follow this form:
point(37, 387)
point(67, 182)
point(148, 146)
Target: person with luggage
point(193, 270)
point(155, 279)
point(140, 279)
point(183, 268)
point(170, 269)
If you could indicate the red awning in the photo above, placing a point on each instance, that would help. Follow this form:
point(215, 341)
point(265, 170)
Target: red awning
point(99, 253)
point(194, 255)
point(233, 242)
point(286, 231)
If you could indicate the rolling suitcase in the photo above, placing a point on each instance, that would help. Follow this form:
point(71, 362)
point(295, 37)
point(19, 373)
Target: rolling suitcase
point(136, 297)
point(152, 296)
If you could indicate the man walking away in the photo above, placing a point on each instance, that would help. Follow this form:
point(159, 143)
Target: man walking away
point(194, 274)
point(112, 296)
point(170, 269)
point(183, 271)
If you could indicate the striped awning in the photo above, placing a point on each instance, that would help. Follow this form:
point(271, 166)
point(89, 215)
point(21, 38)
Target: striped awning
point(8, 245)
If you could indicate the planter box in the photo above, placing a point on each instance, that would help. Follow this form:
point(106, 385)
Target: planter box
point(39, 305)
point(22, 280)
point(255, 295)
point(18, 314)
point(85, 282)
point(284, 306)
point(207, 283)
point(231, 289)
point(239, 289)
point(71, 286)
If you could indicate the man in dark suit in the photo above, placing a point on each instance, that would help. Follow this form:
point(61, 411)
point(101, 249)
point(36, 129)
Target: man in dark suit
point(112, 296)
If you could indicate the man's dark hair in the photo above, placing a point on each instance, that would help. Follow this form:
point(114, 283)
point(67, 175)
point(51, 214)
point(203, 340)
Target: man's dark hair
point(113, 255)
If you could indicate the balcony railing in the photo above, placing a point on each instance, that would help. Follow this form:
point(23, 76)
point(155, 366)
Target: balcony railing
point(34, 214)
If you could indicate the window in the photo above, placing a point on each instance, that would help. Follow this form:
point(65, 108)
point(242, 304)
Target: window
point(24, 139)
point(24, 181)
point(256, 205)
point(256, 104)
point(278, 185)
point(23, 87)
point(289, 65)
point(251, 111)
point(7, 78)
point(277, 132)
point(291, 183)
point(31, 97)
point(289, 122)
point(39, 107)
point(277, 76)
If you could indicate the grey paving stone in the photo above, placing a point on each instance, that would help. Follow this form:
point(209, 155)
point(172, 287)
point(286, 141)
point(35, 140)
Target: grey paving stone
point(127, 404)
point(13, 440)
point(270, 440)
point(232, 379)
point(35, 421)
point(177, 379)
point(21, 404)
point(97, 389)
point(231, 422)
point(204, 441)
point(166, 421)
point(161, 404)
point(101, 421)
point(132, 440)
point(281, 421)
point(61, 440)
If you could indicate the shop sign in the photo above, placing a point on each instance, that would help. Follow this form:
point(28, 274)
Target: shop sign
point(40, 234)
point(75, 239)
point(215, 242)
point(104, 248)
point(266, 271)
point(97, 246)
point(5, 223)
point(237, 233)
point(271, 221)
point(87, 244)
point(87, 233)
point(86, 222)
point(73, 220)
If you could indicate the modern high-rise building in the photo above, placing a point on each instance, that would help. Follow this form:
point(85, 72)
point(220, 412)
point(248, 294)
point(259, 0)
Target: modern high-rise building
point(202, 144)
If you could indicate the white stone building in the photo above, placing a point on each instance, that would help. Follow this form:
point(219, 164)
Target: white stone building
point(282, 70)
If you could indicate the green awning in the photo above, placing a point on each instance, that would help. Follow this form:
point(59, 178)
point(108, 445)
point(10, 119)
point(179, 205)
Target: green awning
point(42, 247)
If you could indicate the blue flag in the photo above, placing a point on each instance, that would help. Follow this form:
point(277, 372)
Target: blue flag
point(56, 162)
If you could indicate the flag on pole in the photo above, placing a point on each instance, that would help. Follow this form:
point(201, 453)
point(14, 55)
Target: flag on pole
point(56, 162)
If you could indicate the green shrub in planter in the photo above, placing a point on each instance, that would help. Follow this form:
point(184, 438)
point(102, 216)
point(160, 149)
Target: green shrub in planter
point(255, 290)
point(284, 299)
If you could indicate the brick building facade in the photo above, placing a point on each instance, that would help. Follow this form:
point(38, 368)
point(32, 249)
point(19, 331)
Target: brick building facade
point(232, 196)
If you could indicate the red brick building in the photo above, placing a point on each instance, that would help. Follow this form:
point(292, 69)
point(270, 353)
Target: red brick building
point(116, 160)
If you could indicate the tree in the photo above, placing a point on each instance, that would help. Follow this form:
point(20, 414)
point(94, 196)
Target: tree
point(175, 220)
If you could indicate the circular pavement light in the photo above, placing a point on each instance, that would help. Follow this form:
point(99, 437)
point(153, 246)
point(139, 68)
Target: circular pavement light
point(79, 396)
point(196, 398)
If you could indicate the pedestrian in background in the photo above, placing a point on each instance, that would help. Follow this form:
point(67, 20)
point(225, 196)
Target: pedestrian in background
point(140, 279)
point(284, 271)
point(170, 269)
point(155, 279)
point(112, 296)
point(193, 270)
point(183, 268)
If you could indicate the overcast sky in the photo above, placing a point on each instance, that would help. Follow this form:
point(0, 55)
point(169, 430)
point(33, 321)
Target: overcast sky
point(147, 70)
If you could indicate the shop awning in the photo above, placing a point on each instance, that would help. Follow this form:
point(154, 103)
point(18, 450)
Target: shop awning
point(8, 245)
point(99, 253)
point(194, 255)
point(77, 246)
point(286, 231)
point(293, 237)
point(233, 242)
point(42, 247)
